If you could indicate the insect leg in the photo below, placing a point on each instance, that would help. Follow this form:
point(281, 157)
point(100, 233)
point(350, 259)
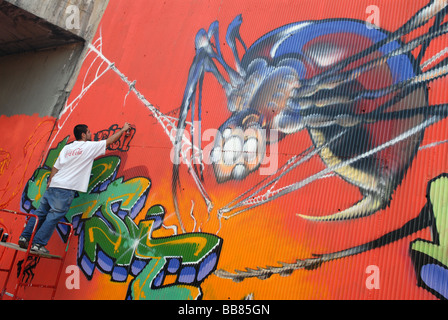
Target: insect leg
point(321, 120)
point(377, 198)
point(437, 72)
point(201, 81)
point(438, 21)
point(423, 220)
point(368, 204)
point(248, 200)
point(335, 81)
point(203, 62)
point(233, 34)
point(270, 196)
point(418, 20)
point(327, 98)
point(213, 32)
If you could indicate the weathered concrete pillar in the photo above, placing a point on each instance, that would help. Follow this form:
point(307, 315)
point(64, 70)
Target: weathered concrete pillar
point(42, 44)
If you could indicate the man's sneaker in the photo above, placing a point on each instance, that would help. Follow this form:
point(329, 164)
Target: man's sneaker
point(23, 242)
point(39, 248)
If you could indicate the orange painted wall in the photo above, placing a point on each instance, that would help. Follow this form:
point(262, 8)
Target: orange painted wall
point(152, 42)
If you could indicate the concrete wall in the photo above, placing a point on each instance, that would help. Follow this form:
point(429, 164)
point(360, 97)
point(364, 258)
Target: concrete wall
point(38, 75)
point(38, 82)
point(58, 13)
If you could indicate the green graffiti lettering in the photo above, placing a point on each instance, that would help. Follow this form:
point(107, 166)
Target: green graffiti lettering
point(438, 191)
point(192, 248)
point(54, 153)
point(115, 237)
point(141, 285)
point(110, 239)
point(102, 170)
point(38, 183)
point(126, 193)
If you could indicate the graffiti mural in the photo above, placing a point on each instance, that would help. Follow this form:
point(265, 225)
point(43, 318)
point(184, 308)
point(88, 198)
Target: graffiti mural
point(112, 242)
point(357, 91)
point(429, 257)
point(279, 150)
point(29, 266)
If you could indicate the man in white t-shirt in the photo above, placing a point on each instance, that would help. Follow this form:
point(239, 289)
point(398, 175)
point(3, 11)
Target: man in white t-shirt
point(70, 174)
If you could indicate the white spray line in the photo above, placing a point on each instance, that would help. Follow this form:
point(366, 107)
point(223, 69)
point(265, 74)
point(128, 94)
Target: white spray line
point(72, 106)
point(295, 186)
point(168, 126)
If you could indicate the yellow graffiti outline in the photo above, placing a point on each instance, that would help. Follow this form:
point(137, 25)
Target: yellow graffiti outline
point(136, 285)
point(95, 179)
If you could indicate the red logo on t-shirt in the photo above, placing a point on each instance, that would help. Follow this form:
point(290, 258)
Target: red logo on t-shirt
point(75, 152)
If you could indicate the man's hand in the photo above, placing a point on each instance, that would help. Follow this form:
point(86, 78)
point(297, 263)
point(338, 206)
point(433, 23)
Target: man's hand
point(113, 138)
point(127, 126)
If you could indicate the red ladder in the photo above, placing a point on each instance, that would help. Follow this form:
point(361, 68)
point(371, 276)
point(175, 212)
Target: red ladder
point(28, 252)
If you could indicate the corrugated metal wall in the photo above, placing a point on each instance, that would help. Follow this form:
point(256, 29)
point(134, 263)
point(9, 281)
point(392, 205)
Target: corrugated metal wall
point(281, 150)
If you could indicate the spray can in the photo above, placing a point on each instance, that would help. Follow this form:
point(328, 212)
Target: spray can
point(128, 132)
point(5, 237)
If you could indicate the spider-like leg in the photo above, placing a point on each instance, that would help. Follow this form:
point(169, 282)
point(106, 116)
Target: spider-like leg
point(322, 80)
point(207, 54)
point(376, 191)
point(377, 175)
point(328, 98)
point(423, 220)
point(323, 94)
point(254, 197)
point(233, 34)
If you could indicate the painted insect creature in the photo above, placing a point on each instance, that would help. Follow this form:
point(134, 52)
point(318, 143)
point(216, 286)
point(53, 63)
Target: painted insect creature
point(358, 91)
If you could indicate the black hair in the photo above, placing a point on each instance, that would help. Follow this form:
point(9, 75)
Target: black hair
point(79, 130)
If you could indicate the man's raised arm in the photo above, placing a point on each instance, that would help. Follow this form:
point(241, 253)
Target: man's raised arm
point(113, 138)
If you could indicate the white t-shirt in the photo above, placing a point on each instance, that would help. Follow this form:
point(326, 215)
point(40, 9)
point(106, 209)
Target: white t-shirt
point(75, 164)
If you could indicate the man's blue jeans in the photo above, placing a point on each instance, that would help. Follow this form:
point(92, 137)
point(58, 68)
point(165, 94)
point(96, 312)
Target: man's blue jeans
point(53, 207)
